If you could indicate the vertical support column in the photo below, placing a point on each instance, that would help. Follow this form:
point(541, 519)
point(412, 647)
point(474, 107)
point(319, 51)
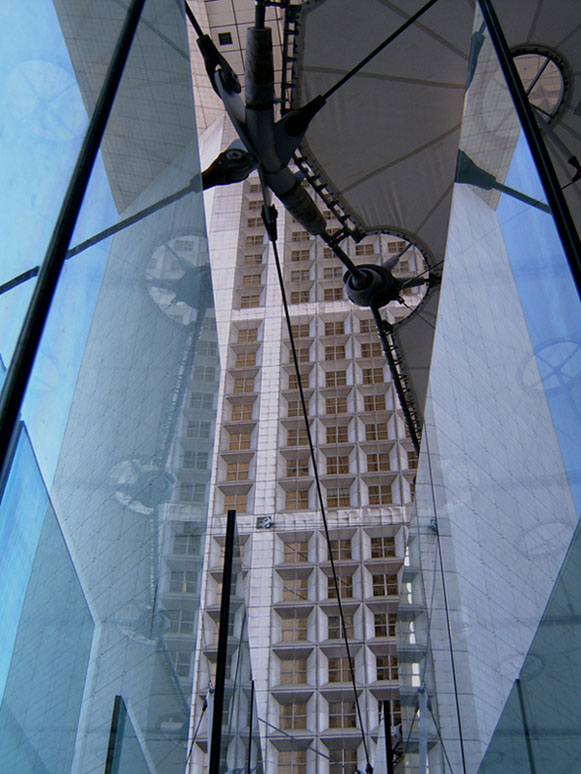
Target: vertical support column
point(423, 741)
point(388, 744)
point(222, 655)
point(31, 332)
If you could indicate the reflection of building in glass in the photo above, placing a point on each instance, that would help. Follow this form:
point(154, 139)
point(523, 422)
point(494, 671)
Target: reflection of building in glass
point(154, 398)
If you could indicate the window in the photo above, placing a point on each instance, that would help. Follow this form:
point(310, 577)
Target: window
point(235, 502)
point(186, 544)
point(338, 434)
point(255, 188)
point(296, 552)
point(297, 436)
point(342, 714)
point(333, 294)
point(377, 462)
point(339, 671)
point(208, 348)
point(396, 247)
point(292, 762)
point(385, 585)
point(251, 280)
point(336, 352)
point(198, 429)
point(300, 275)
point(412, 460)
point(294, 629)
point(204, 374)
point(327, 252)
point(202, 400)
point(336, 406)
point(180, 621)
point(224, 38)
point(237, 471)
point(293, 716)
point(382, 547)
point(182, 661)
point(345, 587)
point(380, 495)
point(387, 667)
point(376, 432)
point(333, 272)
point(243, 384)
point(195, 460)
point(300, 255)
point(293, 381)
point(254, 240)
point(293, 671)
point(192, 493)
point(300, 236)
point(300, 331)
point(297, 468)
point(303, 355)
point(183, 582)
point(372, 375)
point(245, 360)
point(255, 204)
point(337, 465)
point(343, 761)
point(365, 249)
point(374, 402)
point(250, 301)
point(334, 628)
point(341, 548)
point(297, 500)
point(253, 259)
point(335, 378)
point(335, 328)
point(241, 412)
point(364, 326)
point(300, 296)
point(239, 441)
point(295, 408)
point(385, 624)
point(247, 335)
point(338, 497)
point(371, 349)
point(254, 222)
point(294, 589)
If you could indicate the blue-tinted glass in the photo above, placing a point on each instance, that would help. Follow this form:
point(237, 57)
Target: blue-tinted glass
point(49, 654)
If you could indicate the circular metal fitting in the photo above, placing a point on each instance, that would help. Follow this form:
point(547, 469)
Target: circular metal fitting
point(372, 286)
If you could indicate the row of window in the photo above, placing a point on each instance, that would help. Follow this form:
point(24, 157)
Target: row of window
point(296, 629)
point(294, 671)
point(382, 547)
point(297, 589)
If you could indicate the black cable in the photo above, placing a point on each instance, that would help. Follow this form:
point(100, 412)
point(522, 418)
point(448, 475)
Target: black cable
point(409, 420)
point(269, 216)
point(446, 608)
point(194, 21)
point(195, 734)
point(412, 19)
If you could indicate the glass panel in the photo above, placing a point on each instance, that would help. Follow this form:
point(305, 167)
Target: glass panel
point(497, 491)
point(46, 627)
point(128, 352)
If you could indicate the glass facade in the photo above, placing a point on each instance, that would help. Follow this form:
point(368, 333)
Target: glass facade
point(120, 408)
point(497, 494)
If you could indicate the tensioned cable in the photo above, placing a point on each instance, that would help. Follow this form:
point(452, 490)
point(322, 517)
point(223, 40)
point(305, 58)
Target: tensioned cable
point(408, 23)
point(269, 215)
point(446, 606)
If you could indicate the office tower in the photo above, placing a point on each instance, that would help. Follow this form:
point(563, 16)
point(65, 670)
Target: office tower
point(262, 469)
